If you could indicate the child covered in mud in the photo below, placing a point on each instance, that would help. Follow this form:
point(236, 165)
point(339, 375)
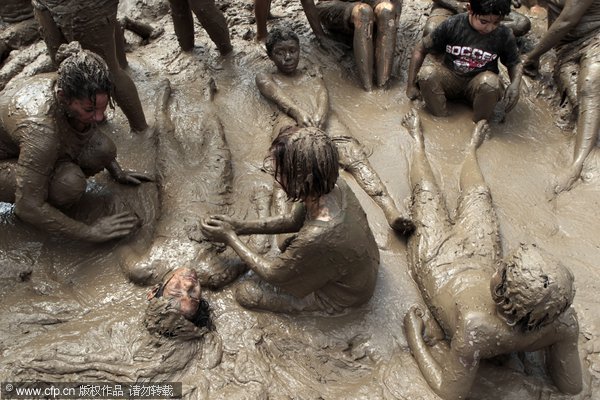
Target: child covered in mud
point(518, 23)
point(210, 17)
point(94, 24)
point(49, 144)
point(483, 305)
point(332, 262)
point(574, 31)
point(302, 95)
point(471, 44)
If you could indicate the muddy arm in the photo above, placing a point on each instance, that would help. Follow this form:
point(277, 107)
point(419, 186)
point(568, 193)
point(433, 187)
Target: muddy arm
point(453, 376)
point(563, 363)
point(268, 88)
point(452, 5)
point(569, 17)
point(313, 18)
point(286, 223)
point(322, 103)
point(416, 61)
point(513, 91)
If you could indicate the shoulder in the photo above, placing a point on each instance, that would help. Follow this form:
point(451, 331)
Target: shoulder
point(263, 77)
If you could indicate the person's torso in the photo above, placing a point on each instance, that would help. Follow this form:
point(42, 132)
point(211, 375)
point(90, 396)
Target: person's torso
point(588, 25)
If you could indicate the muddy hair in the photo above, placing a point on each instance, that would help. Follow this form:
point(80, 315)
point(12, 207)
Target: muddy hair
point(490, 7)
point(535, 289)
point(280, 34)
point(163, 318)
point(306, 162)
point(81, 73)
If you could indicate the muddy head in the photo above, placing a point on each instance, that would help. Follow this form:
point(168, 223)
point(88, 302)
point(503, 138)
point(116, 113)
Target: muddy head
point(283, 48)
point(175, 307)
point(531, 289)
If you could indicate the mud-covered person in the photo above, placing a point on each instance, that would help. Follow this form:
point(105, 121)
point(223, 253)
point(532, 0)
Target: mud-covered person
point(332, 262)
point(210, 17)
point(471, 44)
point(176, 307)
point(94, 24)
point(483, 305)
point(49, 144)
point(574, 31)
point(24, 30)
point(303, 97)
point(442, 9)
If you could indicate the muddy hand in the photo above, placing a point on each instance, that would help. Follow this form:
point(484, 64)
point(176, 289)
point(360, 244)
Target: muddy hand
point(511, 97)
point(413, 320)
point(113, 227)
point(134, 178)
point(412, 92)
point(565, 181)
point(332, 47)
point(531, 66)
point(216, 230)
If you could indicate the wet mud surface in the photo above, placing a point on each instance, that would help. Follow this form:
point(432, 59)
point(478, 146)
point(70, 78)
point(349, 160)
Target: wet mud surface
point(69, 312)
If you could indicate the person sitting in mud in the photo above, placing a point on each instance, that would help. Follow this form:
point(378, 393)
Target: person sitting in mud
point(287, 88)
point(49, 144)
point(471, 43)
point(175, 306)
point(333, 260)
point(518, 23)
point(574, 31)
point(210, 17)
point(22, 31)
point(94, 24)
point(483, 305)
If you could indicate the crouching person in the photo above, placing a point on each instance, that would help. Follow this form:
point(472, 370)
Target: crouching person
point(333, 260)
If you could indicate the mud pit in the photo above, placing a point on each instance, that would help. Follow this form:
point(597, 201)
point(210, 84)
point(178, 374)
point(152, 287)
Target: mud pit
point(68, 312)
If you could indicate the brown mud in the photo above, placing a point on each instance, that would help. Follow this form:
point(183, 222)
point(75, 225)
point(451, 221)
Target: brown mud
point(68, 312)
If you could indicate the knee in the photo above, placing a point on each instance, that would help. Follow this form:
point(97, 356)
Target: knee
point(248, 294)
point(362, 14)
point(98, 154)
point(428, 74)
point(487, 83)
point(67, 185)
point(384, 11)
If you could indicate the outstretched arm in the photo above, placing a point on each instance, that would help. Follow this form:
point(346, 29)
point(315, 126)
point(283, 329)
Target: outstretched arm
point(513, 91)
point(272, 91)
point(569, 17)
point(453, 5)
point(452, 376)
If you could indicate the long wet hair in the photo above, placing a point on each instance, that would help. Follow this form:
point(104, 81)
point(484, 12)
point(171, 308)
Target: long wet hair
point(81, 73)
point(277, 35)
point(535, 289)
point(305, 161)
point(490, 7)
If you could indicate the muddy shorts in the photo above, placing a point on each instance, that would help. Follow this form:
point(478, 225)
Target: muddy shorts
point(441, 242)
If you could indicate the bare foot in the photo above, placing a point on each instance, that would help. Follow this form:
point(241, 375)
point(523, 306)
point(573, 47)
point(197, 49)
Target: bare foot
point(412, 122)
point(481, 131)
point(564, 182)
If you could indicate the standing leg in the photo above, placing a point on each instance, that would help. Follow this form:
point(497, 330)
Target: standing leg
point(385, 20)
point(50, 32)
point(261, 13)
point(183, 22)
point(588, 120)
point(362, 20)
point(213, 21)
point(120, 46)
point(8, 180)
point(126, 94)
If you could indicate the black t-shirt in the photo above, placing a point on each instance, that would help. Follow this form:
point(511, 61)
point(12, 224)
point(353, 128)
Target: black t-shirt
point(468, 52)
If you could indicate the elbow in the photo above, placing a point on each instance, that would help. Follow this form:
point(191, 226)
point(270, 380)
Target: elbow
point(26, 211)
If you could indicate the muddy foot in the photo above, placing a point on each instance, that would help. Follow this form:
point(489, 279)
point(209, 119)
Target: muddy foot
point(412, 122)
point(481, 131)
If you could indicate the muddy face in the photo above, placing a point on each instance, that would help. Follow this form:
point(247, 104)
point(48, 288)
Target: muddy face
point(184, 287)
point(85, 112)
point(286, 55)
point(485, 24)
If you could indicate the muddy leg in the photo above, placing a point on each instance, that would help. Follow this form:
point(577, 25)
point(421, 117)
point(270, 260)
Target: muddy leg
point(588, 121)
point(183, 22)
point(261, 13)
point(8, 180)
point(470, 173)
point(126, 93)
point(420, 170)
point(213, 21)
point(142, 29)
point(385, 16)
point(486, 92)
point(50, 32)
point(263, 296)
point(430, 82)
point(362, 19)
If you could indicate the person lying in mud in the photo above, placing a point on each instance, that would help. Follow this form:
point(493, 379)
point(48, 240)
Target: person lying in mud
point(518, 23)
point(471, 44)
point(175, 306)
point(210, 17)
point(355, 22)
point(22, 31)
point(574, 31)
point(302, 95)
point(49, 144)
point(482, 305)
point(94, 24)
point(332, 262)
